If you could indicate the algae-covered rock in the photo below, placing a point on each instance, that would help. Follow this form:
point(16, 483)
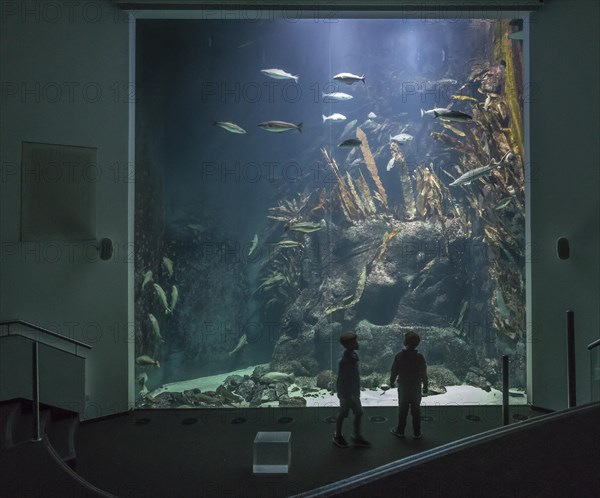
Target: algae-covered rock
point(294, 402)
point(325, 379)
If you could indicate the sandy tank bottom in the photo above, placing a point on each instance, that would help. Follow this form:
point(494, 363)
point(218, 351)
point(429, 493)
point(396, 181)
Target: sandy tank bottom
point(455, 395)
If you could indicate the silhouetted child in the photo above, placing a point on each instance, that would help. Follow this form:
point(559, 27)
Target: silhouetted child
point(411, 370)
point(348, 391)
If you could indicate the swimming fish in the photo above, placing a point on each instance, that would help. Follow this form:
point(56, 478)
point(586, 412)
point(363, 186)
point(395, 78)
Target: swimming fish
point(163, 297)
point(453, 129)
point(253, 245)
point(142, 379)
point(443, 81)
point(401, 138)
point(231, 127)
point(241, 343)
point(371, 115)
point(502, 203)
point(304, 227)
point(155, 327)
point(174, 297)
point(288, 243)
point(147, 278)
point(168, 265)
point(348, 128)
point(349, 78)
point(146, 361)
point(476, 173)
point(431, 112)
point(279, 74)
point(449, 115)
point(279, 126)
point(473, 174)
point(390, 164)
point(464, 97)
point(336, 117)
point(337, 96)
point(351, 142)
point(277, 376)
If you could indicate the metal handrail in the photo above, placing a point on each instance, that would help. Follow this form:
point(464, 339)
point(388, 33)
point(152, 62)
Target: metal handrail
point(35, 375)
point(594, 344)
point(45, 331)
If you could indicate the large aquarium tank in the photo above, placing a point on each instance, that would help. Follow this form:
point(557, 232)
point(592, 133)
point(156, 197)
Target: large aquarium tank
point(297, 179)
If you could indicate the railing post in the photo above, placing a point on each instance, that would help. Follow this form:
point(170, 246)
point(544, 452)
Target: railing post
point(505, 389)
point(571, 359)
point(35, 398)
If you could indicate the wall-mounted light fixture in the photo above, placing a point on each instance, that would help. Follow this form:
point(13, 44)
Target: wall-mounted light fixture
point(562, 248)
point(105, 248)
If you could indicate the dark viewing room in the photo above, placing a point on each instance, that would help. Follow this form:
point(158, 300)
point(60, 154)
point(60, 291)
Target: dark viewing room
point(299, 249)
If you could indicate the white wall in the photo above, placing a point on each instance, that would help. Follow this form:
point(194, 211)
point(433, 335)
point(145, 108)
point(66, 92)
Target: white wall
point(44, 50)
point(64, 73)
point(564, 194)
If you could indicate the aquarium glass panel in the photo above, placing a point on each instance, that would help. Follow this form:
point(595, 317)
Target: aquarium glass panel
point(297, 180)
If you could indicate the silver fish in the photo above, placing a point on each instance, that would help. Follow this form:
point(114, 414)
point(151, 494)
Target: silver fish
point(288, 243)
point(432, 112)
point(146, 361)
point(155, 327)
point(337, 96)
point(241, 343)
point(502, 203)
point(401, 138)
point(142, 379)
point(443, 81)
point(279, 126)
point(230, 127)
point(163, 297)
point(349, 78)
point(147, 278)
point(336, 117)
point(174, 297)
point(168, 265)
point(279, 74)
point(476, 173)
point(348, 128)
point(372, 115)
point(449, 115)
point(304, 227)
point(253, 245)
point(390, 164)
point(277, 376)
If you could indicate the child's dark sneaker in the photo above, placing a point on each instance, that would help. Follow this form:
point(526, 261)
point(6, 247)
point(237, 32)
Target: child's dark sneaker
point(396, 433)
point(360, 441)
point(418, 436)
point(340, 442)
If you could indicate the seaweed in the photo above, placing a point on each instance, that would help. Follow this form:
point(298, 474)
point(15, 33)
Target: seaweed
point(349, 208)
point(410, 209)
point(372, 167)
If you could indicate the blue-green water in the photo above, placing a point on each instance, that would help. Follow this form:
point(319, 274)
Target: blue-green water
point(391, 245)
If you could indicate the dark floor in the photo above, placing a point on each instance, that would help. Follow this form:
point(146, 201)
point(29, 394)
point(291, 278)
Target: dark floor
point(205, 453)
